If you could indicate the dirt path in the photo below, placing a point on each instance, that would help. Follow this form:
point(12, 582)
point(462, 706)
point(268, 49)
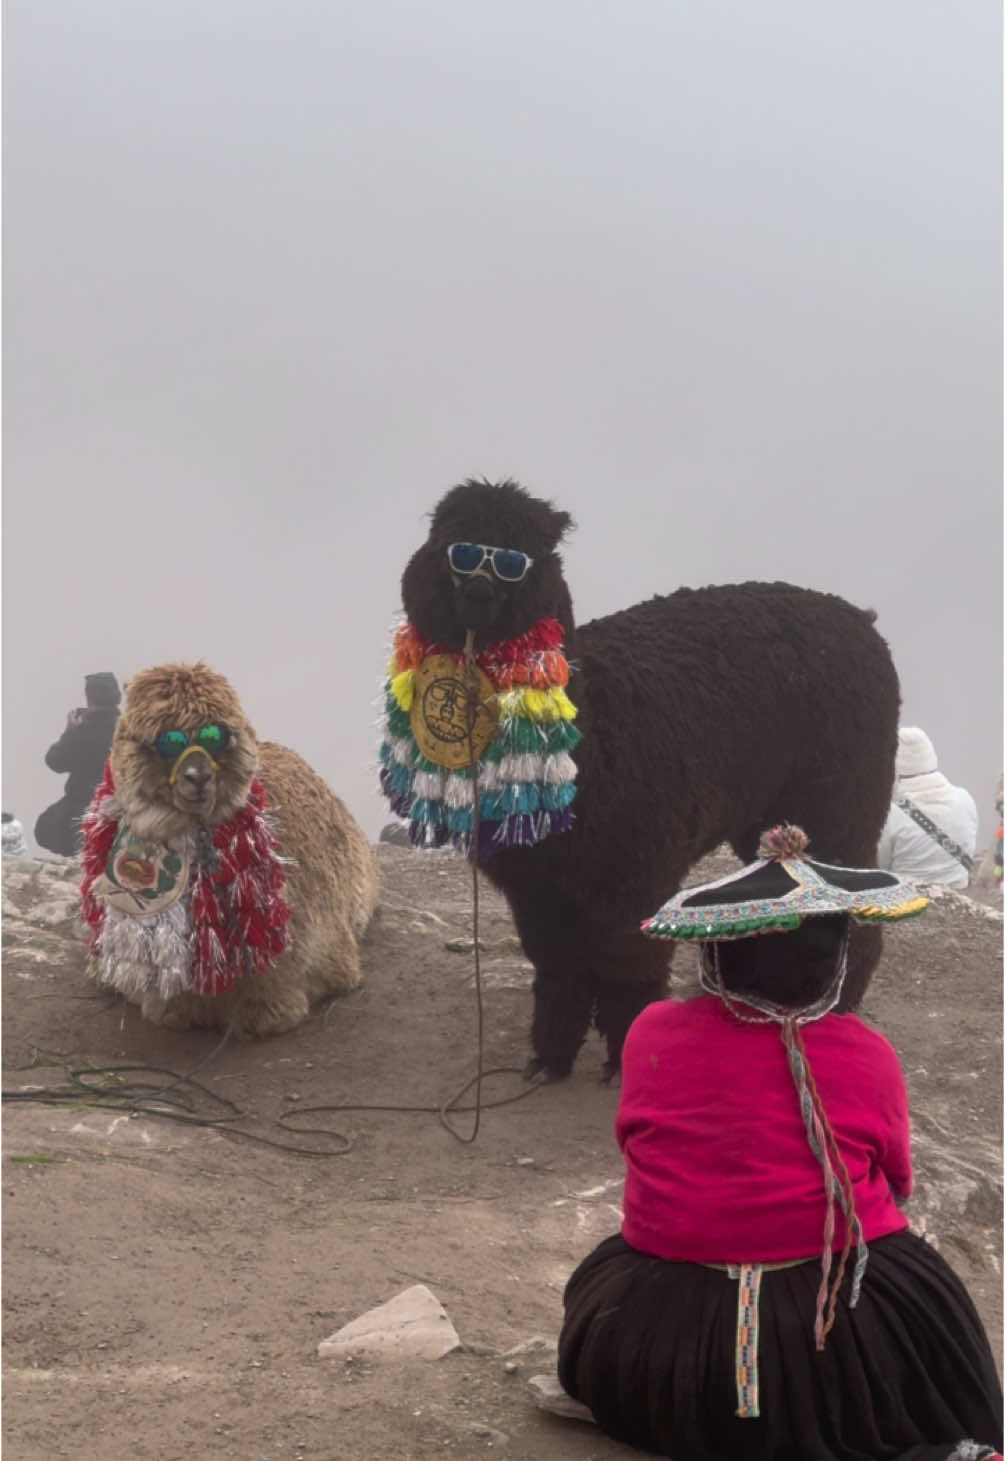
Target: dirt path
point(166, 1286)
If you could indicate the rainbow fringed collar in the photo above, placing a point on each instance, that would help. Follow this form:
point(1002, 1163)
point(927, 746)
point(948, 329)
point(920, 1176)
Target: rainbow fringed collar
point(523, 736)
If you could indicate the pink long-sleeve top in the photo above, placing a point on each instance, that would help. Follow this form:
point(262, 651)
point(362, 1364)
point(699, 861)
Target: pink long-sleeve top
point(718, 1165)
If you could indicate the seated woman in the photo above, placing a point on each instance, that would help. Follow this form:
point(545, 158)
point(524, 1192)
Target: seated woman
point(760, 1132)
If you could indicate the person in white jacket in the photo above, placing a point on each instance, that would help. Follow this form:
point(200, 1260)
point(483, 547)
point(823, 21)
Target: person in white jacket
point(12, 839)
point(931, 829)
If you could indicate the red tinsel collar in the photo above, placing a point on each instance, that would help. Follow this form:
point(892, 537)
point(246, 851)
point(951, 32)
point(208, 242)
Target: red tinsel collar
point(239, 916)
point(502, 662)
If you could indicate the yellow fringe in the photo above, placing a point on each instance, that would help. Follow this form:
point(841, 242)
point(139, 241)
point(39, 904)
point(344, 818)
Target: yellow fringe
point(541, 705)
point(403, 688)
point(914, 906)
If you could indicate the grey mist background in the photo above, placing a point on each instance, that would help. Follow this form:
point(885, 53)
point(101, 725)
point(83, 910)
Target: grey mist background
point(723, 280)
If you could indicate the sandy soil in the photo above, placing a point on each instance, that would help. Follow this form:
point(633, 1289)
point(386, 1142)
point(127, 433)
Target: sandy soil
point(166, 1285)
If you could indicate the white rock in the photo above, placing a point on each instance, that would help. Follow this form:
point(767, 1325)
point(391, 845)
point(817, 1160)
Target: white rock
point(537, 1344)
point(547, 1394)
point(414, 1324)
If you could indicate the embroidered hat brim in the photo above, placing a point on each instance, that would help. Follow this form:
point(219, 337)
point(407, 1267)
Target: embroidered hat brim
point(776, 894)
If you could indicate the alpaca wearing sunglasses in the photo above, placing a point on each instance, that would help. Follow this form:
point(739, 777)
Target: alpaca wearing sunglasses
point(221, 874)
point(705, 715)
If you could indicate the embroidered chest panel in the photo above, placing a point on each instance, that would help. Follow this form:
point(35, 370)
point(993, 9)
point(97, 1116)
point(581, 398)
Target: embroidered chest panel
point(142, 878)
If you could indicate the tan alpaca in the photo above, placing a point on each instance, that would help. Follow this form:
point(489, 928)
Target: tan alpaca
point(173, 801)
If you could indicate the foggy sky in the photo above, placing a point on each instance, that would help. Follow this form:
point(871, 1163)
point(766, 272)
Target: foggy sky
point(722, 280)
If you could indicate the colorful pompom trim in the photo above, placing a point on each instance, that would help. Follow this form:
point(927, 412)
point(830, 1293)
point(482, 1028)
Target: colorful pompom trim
point(782, 842)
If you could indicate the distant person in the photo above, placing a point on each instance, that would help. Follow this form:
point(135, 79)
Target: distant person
point(989, 874)
point(81, 750)
point(13, 842)
point(931, 829)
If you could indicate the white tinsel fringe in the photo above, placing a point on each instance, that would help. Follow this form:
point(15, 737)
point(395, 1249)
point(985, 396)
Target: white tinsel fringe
point(140, 954)
point(459, 791)
point(522, 768)
point(428, 784)
point(528, 829)
point(488, 775)
point(559, 769)
point(401, 750)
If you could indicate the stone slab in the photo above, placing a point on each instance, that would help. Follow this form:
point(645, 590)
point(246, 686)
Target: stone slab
point(412, 1325)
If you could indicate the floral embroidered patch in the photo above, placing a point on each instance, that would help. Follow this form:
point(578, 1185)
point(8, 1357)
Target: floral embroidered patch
point(142, 878)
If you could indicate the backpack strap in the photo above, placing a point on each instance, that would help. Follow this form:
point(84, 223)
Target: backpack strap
point(936, 833)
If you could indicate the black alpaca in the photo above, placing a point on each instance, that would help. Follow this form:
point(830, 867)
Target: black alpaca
point(707, 716)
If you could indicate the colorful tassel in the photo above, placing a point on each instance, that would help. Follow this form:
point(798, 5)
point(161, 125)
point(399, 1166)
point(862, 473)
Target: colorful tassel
point(526, 774)
point(403, 689)
point(783, 842)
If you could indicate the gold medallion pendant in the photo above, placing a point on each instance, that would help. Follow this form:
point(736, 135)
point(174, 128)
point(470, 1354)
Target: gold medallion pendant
point(440, 712)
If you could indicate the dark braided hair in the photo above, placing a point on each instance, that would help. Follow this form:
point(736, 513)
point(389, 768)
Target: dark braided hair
point(793, 969)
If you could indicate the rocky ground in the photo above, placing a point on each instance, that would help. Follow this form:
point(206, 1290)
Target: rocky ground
point(166, 1285)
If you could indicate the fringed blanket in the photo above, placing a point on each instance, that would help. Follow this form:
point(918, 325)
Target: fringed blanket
point(522, 735)
point(182, 925)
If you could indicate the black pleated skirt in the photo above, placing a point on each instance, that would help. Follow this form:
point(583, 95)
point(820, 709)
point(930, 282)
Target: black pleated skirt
point(907, 1375)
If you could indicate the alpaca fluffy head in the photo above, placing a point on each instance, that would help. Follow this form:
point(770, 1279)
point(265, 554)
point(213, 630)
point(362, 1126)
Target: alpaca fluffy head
point(165, 796)
point(443, 605)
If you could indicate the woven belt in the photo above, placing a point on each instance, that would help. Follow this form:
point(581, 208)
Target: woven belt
point(747, 1298)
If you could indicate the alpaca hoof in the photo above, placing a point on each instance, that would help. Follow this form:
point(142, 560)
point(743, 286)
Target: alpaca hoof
point(610, 1074)
point(260, 1027)
point(161, 1012)
point(173, 1020)
point(258, 1021)
point(538, 1070)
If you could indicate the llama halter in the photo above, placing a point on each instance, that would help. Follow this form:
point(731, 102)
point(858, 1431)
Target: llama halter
point(160, 919)
point(521, 736)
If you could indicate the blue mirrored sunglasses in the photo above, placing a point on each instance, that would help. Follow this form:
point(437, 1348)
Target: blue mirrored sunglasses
point(508, 564)
point(171, 743)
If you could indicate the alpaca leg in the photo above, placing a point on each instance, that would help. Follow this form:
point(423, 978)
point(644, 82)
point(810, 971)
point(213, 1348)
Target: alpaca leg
point(181, 1012)
point(271, 1004)
point(634, 972)
point(554, 940)
point(563, 1004)
point(745, 844)
point(330, 962)
point(343, 970)
point(155, 1009)
point(618, 1002)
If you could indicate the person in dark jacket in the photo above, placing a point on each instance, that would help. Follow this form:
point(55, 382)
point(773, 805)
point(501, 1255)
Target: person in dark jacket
point(81, 750)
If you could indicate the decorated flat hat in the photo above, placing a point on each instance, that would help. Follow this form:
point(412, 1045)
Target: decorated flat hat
point(778, 891)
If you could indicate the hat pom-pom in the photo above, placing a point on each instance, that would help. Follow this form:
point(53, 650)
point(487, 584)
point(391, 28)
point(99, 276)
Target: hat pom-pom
point(783, 842)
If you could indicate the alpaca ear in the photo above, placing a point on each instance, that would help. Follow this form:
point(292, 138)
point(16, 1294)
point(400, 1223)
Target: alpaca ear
point(560, 523)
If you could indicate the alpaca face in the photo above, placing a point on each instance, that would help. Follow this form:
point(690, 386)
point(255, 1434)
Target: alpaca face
point(446, 594)
point(184, 752)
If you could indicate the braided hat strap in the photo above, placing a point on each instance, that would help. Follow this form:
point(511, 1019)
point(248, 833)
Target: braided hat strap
point(837, 1187)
